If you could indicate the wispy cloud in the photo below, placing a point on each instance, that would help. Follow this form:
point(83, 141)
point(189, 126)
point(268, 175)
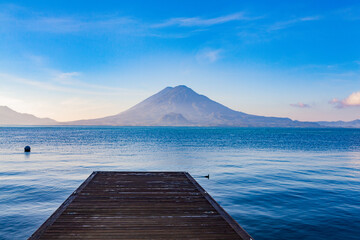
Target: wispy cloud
point(285, 24)
point(18, 18)
point(300, 105)
point(66, 85)
point(351, 13)
point(201, 22)
point(208, 55)
point(64, 75)
point(268, 30)
point(37, 60)
point(72, 24)
point(71, 80)
point(41, 84)
point(351, 101)
point(66, 78)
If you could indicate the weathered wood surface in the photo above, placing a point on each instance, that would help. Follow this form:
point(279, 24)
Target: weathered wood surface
point(140, 205)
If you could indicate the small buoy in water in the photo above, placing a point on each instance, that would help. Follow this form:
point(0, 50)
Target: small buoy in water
point(27, 149)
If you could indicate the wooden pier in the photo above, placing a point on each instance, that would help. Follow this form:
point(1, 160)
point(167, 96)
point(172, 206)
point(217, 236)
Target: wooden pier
point(140, 205)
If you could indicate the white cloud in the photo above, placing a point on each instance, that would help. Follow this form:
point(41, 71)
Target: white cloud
point(312, 18)
point(68, 74)
point(66, 78)
point(37, 60)
point(300, 105)
point(208, 55)
point(351, 101)
point(17, 18)
point(67, 85)
point(14, 19)
point(286, 24)
point(263, 32)
point(73, 24)
point(197, 21)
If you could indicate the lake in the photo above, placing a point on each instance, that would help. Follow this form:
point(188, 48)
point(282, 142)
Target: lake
point(278, 183)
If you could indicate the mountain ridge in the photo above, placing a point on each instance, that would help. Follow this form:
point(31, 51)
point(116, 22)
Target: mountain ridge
point(11, 117)
point(195, 110)
point(341, 124)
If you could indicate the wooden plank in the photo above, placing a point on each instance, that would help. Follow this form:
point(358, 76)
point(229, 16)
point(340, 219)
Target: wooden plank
point(61, 209)
point(234, 224)
point(140, 205)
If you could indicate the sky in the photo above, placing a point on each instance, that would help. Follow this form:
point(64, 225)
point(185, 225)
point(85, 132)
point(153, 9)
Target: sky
point(71, 60)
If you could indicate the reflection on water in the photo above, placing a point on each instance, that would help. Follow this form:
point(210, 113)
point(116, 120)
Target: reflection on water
point(277, 183)
point(27, 155)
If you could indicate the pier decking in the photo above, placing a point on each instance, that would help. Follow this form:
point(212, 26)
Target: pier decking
point(140, 205)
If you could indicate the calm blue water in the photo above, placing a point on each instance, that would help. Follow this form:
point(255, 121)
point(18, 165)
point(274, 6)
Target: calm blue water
point(277, 183)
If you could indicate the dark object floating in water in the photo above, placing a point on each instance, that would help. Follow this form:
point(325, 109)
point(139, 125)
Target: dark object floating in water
point(207, 176)
point(27, 149)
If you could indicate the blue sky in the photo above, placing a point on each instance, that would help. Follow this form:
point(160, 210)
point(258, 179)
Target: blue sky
point(68, 61)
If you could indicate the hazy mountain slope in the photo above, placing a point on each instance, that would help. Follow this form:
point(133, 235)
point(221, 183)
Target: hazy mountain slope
point(181, 106)
point(11, 117)
point(341, 124)
point(174, 119)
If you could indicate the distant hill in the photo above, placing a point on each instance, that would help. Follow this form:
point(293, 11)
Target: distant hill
point(341, 124)
point(10, 117)
point(181, 106)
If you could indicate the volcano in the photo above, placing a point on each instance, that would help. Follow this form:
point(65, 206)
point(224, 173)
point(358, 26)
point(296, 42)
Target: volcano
point(181, 106)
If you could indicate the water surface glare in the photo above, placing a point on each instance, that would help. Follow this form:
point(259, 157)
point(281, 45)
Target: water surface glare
point(277, 183)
